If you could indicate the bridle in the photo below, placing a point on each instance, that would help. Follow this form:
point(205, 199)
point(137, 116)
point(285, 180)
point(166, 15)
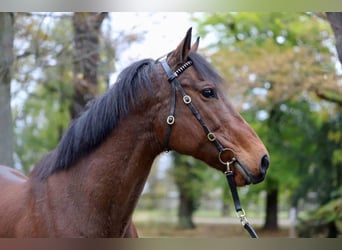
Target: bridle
point(175, 84)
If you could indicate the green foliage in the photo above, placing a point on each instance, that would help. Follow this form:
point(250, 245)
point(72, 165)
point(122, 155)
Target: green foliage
point(326, 218)
point(43, 76)
point(323, 165)
point(40, 129)
point(332, 211)
point(337, 156)
point(243, 30)
point(289, 134)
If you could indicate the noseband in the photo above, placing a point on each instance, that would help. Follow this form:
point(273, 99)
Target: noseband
point(175, 84)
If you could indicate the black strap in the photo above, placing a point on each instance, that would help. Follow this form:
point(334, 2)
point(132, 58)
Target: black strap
point(171, 118)
point(172, 78)
point(239, 211)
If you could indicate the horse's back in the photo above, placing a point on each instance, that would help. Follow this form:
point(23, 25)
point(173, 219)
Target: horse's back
point(12, 200)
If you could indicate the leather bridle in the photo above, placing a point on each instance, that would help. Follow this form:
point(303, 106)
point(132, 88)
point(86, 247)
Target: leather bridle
point(172, 77)
point(175, 84)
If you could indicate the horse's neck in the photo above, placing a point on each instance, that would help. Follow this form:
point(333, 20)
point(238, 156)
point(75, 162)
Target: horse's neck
point(111, 178)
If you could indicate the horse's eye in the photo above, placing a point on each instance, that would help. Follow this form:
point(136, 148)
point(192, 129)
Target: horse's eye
point(209, 93)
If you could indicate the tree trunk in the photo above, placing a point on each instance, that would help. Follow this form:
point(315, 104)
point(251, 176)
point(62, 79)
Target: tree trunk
point(86, 56)
point(188, 178)
point(335, 20)
point(6, 61)
point(185, 211)
point(332, 230)
point(271, 221)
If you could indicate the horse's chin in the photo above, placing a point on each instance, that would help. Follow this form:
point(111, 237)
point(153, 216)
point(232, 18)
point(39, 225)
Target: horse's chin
point(240, 180)
point(243, 178)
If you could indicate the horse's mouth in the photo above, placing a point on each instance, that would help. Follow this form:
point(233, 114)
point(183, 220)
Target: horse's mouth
point(248, 177)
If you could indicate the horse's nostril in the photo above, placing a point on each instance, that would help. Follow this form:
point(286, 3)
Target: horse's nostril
point(264, 164)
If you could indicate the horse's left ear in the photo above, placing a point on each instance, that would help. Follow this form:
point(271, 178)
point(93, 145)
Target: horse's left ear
point(182, 51)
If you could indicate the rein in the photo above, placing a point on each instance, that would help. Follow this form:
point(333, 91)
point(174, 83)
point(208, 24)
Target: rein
point(175, 84)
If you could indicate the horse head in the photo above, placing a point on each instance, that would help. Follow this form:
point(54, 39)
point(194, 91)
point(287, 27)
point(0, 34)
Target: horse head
point(197, 119)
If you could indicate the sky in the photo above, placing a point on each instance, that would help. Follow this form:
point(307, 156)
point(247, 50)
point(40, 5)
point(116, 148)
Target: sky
point(162, 33)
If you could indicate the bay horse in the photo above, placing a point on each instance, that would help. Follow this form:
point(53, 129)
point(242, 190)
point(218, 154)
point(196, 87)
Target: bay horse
point(89, 185)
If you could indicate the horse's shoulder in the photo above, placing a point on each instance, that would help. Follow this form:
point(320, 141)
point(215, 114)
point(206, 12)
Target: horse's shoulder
point(10, 175)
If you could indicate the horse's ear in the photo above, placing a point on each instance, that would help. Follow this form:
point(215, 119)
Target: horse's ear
point(182, 51)
point(195, 45)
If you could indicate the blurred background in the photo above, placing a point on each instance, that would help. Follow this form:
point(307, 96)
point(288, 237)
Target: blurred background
point(283, 73)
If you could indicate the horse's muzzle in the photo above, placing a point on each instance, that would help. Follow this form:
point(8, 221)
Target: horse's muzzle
point(263, 166)
point(254, 179)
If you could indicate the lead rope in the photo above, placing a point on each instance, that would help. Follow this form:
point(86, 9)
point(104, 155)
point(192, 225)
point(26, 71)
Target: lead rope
point(238, 209)
point(172, 78)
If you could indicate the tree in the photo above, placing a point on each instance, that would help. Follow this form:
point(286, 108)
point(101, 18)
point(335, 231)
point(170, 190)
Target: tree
point(6, 61)
point(335, 20)
point(42, 83)
point(43, 77)
point(327, 164)
point(189, 175)
point(291, 136)
point(86, 58)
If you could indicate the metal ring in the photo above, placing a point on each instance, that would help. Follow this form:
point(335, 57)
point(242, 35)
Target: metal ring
point(227, 162)
point(211, 136)
point(241, 213)
point(186, 99)
point(170, 120)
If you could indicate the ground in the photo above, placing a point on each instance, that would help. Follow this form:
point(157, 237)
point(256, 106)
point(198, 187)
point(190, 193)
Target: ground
point(203, 230)
point(154, 225)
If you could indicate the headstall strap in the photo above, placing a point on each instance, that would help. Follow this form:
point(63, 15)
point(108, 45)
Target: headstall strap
point(172, 78)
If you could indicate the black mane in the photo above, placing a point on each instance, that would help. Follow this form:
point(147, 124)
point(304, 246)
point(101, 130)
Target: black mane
point(87, 131)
